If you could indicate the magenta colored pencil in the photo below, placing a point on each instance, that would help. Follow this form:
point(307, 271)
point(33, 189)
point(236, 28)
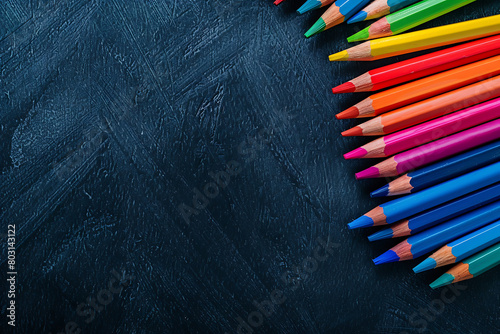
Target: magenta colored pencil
point(423, 133)
point(437, 150)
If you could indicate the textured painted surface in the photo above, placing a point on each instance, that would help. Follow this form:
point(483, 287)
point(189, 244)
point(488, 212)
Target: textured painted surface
point(112, 112)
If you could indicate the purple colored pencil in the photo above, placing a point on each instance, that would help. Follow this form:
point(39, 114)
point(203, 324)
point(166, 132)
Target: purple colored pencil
point(434, 151)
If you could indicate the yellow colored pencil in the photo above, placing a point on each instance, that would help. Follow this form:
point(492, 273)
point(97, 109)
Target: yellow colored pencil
point(421, 40)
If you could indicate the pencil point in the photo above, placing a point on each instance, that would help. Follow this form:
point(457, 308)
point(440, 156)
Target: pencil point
point(317, 27)
point(339, 56)
point(356, 154)
point(368, 173)
point(362, 35)
point(381, 235)
point(347, 87)
point(387, 257)
point(361, 222)
point(358, 17)
point(442, 281)
point(380, 192)
point(355, 131)
point(427, 264)
point(277, 2)
point(351, 112)
point(308, 6)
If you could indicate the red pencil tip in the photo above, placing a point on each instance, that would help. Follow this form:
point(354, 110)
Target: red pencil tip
point(277, 2)
point(355, 131)
point(368, 173)
point(356, 154)
point(347, 87)
point(351, 112)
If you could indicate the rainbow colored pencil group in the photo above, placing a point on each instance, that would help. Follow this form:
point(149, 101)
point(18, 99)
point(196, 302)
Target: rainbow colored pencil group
point(439, 126)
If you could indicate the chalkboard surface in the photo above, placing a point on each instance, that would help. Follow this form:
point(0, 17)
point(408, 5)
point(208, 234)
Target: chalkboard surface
point(175, 167)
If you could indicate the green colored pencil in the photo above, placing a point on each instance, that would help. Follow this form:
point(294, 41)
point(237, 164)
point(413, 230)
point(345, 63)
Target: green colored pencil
point(471, 267)
point(408, 18)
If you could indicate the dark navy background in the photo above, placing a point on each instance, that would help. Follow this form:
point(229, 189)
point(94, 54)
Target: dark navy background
point(114, 114)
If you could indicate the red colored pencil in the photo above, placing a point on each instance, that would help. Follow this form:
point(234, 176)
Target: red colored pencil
point(422, 66)
point(277, 2)
point(428, 109)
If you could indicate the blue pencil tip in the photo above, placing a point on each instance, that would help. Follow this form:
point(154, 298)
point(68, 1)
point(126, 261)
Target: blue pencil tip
point(363, 221)
point(308, 6)
point(387, 257)
point(358, 17)
point(427, 264)
point(381, 235)
point(380, 192)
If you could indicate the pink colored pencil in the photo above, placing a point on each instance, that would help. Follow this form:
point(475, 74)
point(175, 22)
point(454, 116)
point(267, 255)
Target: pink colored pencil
point(433, 151)
point(423, 133)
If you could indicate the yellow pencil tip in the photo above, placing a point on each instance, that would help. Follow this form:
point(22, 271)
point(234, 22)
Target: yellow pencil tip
point(339, 56)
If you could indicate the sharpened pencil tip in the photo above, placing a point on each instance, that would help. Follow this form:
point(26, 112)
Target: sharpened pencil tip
point(277, 2)
point(358, 17)
point(362, 35)
point(381, 235)
point(425, 265)
point(355, 131)
point(339, 56)
point(445, 279)
point(387, 257)
point(361, 222)
point(351, 112)
point(356, 154)
point(380, 192)
point(368, 173)
point(347, 87)
point(308, 6)
point(317, 27)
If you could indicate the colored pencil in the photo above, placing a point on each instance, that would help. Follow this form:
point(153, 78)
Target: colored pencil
point(404, 207)
point(439, 214)
point(462, 248)
point(421, 40)
point(313, 4)
point(423, 133)
point(428, 109)
point(429, 240)
point(472, 267)
point(405, 19)
point(422, 66)
point(277, 2)
point(379, 8)
point(441, 171)
point(434, 151)
point(422, 89)
point(337, 13)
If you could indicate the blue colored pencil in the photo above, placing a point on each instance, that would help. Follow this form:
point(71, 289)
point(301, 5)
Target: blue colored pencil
point(337, 13)
point(462, 248)
point(439, 214)
point(428, 240)
point(404, 207)
point(441, 171)
point(379, 8)
point(313, 4)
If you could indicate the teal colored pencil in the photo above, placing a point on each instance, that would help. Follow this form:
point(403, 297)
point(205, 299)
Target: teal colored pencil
point(408, 18)
point(472, 267)
point(312, 5)
point(379, 8)
point(462, 248)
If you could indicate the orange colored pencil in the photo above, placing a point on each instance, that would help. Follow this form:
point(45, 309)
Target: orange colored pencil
point(428, 109)
point(424, 88)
